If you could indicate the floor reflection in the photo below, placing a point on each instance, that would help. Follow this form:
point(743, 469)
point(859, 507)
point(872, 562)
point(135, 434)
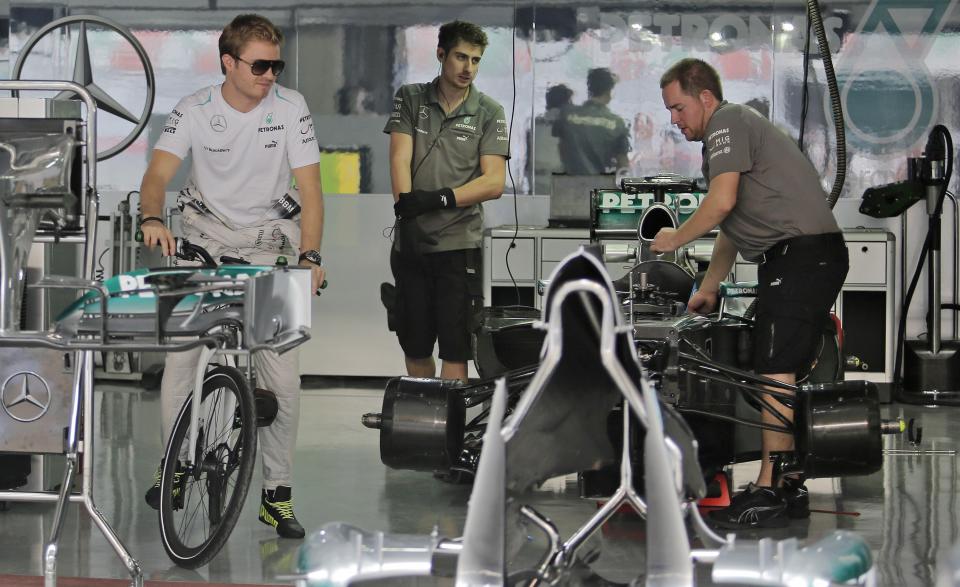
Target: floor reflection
point(905, 512)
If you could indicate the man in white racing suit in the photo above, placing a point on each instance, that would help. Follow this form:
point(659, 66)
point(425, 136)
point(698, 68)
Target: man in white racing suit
point(247, 136)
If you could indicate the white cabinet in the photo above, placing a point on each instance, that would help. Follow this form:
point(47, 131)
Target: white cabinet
point(554, 250)
point(521, 262)
point(536, 252)
point(868, 261)
point(866, 306)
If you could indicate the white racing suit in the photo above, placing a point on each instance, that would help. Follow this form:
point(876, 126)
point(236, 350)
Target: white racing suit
point(278, 234)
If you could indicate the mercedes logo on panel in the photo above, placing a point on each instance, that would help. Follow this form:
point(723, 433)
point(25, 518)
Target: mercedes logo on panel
point(25, 396)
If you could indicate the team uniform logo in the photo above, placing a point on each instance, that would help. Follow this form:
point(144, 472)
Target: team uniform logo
point(306, 124)
point(424, 113)
point(218, 123)
point(173, 121)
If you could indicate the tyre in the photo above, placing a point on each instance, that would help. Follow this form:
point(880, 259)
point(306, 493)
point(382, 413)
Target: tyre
point(201, 502)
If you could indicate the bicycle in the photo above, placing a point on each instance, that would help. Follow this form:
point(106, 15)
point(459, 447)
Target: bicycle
point(209, 458)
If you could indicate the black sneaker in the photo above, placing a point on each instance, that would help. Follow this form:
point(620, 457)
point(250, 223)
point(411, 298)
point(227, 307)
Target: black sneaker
point(797, 497)
point(754, 507)
point(276, 509)
point(152, 496)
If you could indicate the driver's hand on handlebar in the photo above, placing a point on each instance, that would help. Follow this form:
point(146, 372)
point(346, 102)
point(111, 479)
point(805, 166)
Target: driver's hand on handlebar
point(156, 233)
point(702, 302)
point(317, 275)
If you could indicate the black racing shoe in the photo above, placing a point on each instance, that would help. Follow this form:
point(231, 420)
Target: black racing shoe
point(152, 496)
point(754, 507)
point(276, 509)
point(797, 497)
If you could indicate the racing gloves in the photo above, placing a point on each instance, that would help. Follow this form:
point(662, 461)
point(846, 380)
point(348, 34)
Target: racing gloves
point(417, 202)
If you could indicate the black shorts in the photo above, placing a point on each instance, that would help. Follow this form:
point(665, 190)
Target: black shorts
point(799, 281)
point(439, 300)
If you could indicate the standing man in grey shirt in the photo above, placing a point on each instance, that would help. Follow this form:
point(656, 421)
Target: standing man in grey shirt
point(767, 199)
point(448, 150)
point(593, 140)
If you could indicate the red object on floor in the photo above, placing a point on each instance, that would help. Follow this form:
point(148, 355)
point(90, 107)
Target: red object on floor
point(623, 523)
point(722, 500)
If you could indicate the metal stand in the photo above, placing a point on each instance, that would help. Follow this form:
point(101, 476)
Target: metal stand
point(79, 443)
point(932, 367)
point(76, 449)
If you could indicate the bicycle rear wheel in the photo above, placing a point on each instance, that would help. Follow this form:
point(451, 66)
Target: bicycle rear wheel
point(201, 502)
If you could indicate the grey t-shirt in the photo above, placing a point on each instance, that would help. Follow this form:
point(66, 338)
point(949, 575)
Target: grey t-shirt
point(779, 196)
point(591, 138)
point(446, 153)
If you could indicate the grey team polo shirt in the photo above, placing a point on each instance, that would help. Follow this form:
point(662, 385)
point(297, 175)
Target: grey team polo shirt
point(446, 153)
point(779, 195)
point(591, 138)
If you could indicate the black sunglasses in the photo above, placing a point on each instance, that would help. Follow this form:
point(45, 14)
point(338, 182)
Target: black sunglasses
point(260, 66)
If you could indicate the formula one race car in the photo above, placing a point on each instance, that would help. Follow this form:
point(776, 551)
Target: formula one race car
point(560, 423)
point(699, 365)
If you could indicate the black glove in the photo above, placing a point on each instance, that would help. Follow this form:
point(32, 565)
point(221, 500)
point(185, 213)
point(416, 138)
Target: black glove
point(410, 238)
point(415, 203)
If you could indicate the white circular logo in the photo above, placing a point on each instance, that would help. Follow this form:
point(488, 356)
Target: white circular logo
point(218, 123)
point(25, 396)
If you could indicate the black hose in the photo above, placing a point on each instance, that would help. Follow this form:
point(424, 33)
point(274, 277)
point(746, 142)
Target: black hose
point(805, 96)
point(902, 325)
point(836, 107)
point(813, 13)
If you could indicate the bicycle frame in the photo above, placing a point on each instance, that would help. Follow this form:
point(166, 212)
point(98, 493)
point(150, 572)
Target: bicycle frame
point(203, 363)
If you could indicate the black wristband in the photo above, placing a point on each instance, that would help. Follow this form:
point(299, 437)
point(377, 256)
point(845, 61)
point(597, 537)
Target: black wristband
point(447, 198)
point(149, 218)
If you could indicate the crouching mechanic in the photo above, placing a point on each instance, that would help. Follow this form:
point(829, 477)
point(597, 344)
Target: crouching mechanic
point(766, 197)
point(246, 135)
point(448, 151)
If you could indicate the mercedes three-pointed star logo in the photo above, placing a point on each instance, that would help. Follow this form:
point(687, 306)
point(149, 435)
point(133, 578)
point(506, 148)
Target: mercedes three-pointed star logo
point(83, 72)
point(25, 396)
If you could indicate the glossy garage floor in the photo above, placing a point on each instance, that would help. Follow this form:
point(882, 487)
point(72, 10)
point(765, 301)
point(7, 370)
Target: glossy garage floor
point(907, 512)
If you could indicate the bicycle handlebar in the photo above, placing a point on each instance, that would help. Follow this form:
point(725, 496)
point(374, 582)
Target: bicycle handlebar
point(188, 251)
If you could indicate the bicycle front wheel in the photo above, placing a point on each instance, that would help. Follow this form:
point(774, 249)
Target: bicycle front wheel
point(201, 497)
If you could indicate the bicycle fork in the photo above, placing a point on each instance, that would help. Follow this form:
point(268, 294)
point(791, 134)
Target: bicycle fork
point(205, 355)
point(197, 397)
